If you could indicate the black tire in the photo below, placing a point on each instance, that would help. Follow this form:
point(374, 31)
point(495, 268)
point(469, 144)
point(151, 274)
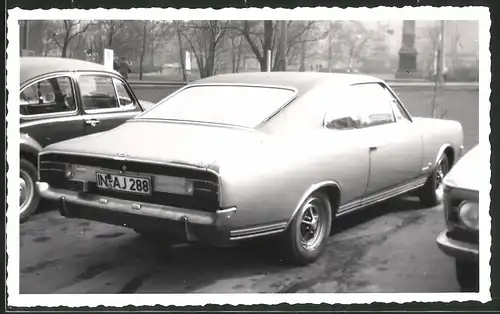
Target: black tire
point(428, 194)
point(28, 174)
point(294, 250)
point(467, 275)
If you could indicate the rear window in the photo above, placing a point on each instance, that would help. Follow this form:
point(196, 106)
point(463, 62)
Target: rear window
point(246, 106)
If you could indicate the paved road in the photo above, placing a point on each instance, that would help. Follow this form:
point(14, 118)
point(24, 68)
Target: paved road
point(387, 248)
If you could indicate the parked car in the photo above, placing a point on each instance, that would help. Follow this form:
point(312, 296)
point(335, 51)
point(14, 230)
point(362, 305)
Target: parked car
point(62, 99)
point(238, 156)
point(460, 240)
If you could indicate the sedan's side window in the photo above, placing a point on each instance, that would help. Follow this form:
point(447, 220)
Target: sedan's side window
point(97, 92)
point(50, 96)
point(374, 104)
point(124, 96)
point(342, 114)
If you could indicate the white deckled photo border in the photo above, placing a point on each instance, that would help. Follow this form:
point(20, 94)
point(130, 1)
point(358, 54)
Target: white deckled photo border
point(480, 14)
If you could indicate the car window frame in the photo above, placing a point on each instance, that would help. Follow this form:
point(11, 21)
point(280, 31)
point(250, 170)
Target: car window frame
point(129, 92)
point(38, 79)
point(258, 126)
point(399, 103)
point(112, 76)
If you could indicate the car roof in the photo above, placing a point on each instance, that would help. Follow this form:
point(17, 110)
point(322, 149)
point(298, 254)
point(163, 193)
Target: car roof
point(301, 81)
point(32, 67)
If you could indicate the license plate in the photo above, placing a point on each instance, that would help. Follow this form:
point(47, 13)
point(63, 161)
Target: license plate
point(130, 184)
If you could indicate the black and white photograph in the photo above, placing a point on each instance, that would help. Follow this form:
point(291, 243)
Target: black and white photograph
point(236, 156)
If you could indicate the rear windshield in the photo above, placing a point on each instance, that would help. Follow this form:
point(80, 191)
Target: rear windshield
point(246, 106)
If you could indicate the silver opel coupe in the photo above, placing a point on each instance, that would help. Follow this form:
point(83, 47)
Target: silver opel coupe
point(238, 156)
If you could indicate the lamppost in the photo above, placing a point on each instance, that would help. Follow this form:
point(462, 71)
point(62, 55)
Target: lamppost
point(408, 53)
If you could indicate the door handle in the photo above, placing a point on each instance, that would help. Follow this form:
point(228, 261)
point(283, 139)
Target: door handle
point(92, 122)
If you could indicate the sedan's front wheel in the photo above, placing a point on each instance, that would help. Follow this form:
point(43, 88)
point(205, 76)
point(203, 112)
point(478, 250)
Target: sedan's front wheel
point(304, 240)
point(29, 198)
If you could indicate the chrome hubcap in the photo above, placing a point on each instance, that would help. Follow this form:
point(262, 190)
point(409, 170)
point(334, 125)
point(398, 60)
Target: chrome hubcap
point(311, 224)
point(26, 191)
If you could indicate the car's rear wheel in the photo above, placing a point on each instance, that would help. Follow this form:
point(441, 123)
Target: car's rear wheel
point(467, 275)
point(29, 198)
point(431, 194)
point(304, 240)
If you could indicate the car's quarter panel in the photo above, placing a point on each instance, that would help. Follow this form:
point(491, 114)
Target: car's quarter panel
point(438, 134)
point(267, 182)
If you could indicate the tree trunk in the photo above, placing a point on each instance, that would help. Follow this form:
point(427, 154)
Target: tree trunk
point(233, 55)
point(302, 56)
point(143, 51)
point(181, 54)
point(64, 49)
point(268, 39)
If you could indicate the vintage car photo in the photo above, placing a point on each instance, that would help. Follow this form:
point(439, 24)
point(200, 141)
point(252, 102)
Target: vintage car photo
point(239, 156)
point(63, 98)
point(461, 209)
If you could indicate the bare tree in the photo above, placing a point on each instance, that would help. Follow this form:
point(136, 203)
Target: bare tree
point(70, 29)
point(262, 37)
point(204, 38)
point(110, 28)
point(147, 28)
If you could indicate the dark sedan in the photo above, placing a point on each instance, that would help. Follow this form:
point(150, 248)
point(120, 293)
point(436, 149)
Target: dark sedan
point(62, 99)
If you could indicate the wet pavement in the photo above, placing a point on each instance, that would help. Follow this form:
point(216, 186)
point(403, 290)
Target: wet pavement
point(385, 248)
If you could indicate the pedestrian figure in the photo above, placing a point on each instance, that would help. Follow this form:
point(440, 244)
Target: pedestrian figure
point(124, 68)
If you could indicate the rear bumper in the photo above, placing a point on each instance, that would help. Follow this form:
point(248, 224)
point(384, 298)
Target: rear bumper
point(457, 249)
point(192, 225)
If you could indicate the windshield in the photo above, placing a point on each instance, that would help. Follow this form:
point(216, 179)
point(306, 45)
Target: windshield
point(245, 106)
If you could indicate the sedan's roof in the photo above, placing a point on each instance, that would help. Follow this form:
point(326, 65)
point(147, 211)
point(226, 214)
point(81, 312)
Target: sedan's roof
point(32, 67)
point(302, 81)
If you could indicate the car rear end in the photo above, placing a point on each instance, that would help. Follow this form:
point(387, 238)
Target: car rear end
point(180, 200)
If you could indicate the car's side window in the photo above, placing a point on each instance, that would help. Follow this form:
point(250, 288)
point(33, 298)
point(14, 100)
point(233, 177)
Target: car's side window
point(98, 92)
point(49, 96)
point(373, 103)
point(342, 113)
point(124, 96)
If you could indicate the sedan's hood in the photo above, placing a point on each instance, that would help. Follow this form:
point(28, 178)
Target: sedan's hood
point(161, 141)
point(465, 174)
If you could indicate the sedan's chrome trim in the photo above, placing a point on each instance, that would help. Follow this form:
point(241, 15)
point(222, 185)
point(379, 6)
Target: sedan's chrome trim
point(381, 196)
point(130, 207)
point(309, 191)
point(457, 249)
point(172, 164)
point(258, 231)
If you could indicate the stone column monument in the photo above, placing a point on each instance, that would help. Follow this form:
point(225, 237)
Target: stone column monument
point(408, 54)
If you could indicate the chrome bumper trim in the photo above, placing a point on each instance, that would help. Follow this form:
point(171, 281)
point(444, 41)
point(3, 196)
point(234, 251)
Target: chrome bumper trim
point(219, 219)
point(457, 249)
